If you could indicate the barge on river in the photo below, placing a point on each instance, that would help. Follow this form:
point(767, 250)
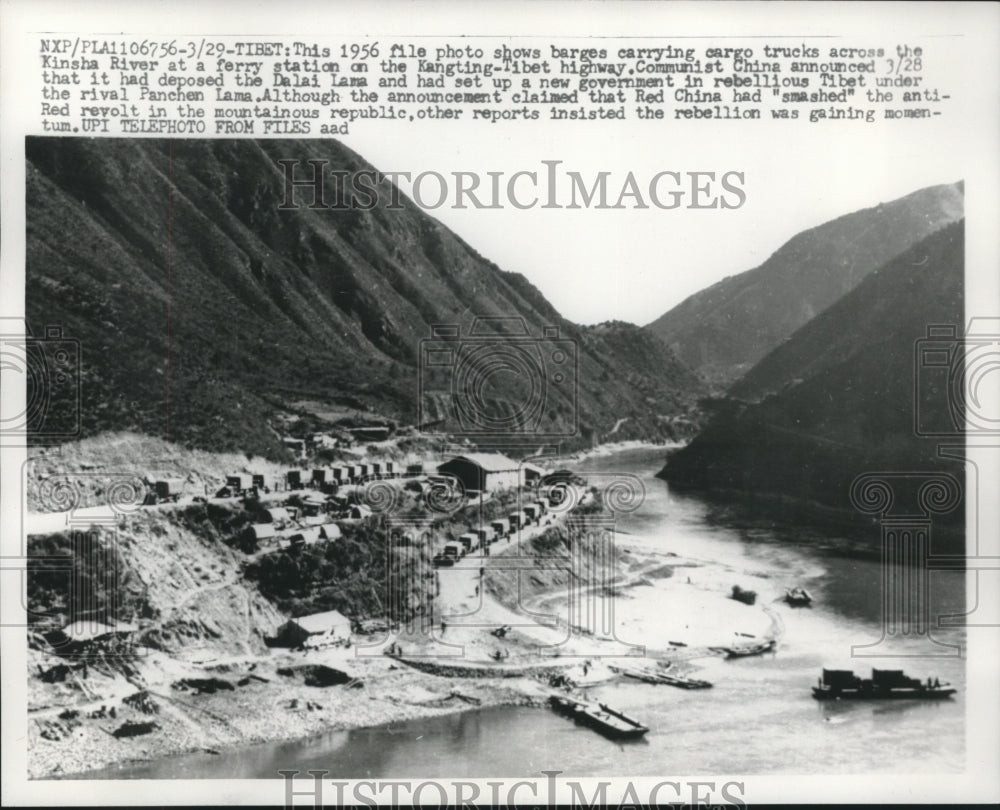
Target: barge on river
point(603, 719)
point(842, 684)
point(680, 681)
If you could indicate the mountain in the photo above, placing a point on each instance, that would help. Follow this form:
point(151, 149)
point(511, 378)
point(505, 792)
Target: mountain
point(206, 314)
point(846, 400)
point(725, 329)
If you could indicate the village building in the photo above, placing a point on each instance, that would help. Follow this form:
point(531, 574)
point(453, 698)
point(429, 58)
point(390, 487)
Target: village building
point(316, 628)
point(359, 512)
point(330, 531)
point(261, 533)
point(371, 433)
point(87, 630)
point(278, 516)
point(483, 472)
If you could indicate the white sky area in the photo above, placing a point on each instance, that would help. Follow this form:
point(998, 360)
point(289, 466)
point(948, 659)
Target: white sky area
point(595, 265)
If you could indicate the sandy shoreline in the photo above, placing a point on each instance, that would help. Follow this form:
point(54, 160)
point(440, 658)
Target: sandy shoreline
point(618, 447)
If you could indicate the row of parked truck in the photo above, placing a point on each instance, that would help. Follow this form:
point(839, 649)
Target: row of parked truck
point(238, 485)
point(499, 529)
point(328, 479)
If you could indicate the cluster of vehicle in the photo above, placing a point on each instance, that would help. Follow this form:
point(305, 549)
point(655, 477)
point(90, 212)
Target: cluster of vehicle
point(499, 529)
point(240, 485)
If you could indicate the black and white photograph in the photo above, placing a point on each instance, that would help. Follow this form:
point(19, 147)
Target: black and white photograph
point(501, 411)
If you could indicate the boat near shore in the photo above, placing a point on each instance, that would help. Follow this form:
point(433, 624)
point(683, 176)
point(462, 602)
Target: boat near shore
point(602, 718)
point(745, 650)
point(660, 678)
point(885, 684)
point(798, 597)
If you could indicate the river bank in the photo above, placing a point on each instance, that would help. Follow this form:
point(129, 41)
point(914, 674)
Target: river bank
point(677, 607)
point(671, 589)
point(282, 707)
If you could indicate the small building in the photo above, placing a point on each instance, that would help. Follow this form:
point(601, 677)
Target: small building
point(318, 627)
point(371, 433)
point(297, 479)
point(262, 482)
point(389, 469)
point(360, 512)
point(329, 531)
point(305, 536)
point(484, 472)
point(278, 516)
point(263, 531)
point(83, 631)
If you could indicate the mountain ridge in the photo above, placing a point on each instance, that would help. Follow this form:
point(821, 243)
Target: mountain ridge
point(723, 330)
point(202, 308)
point(813, 430)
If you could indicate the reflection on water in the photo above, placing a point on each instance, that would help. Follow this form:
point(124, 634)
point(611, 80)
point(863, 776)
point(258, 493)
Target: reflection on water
point(759, 718)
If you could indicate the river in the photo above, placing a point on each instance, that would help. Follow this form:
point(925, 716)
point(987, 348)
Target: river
point(758, 719)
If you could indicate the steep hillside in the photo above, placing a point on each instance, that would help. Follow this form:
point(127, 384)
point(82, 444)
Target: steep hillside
point(847, 402)
point(173, 575)
point(725, 329)
point(203, 310)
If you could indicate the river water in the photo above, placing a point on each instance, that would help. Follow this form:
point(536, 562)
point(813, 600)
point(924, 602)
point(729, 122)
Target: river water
point(758, 719)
